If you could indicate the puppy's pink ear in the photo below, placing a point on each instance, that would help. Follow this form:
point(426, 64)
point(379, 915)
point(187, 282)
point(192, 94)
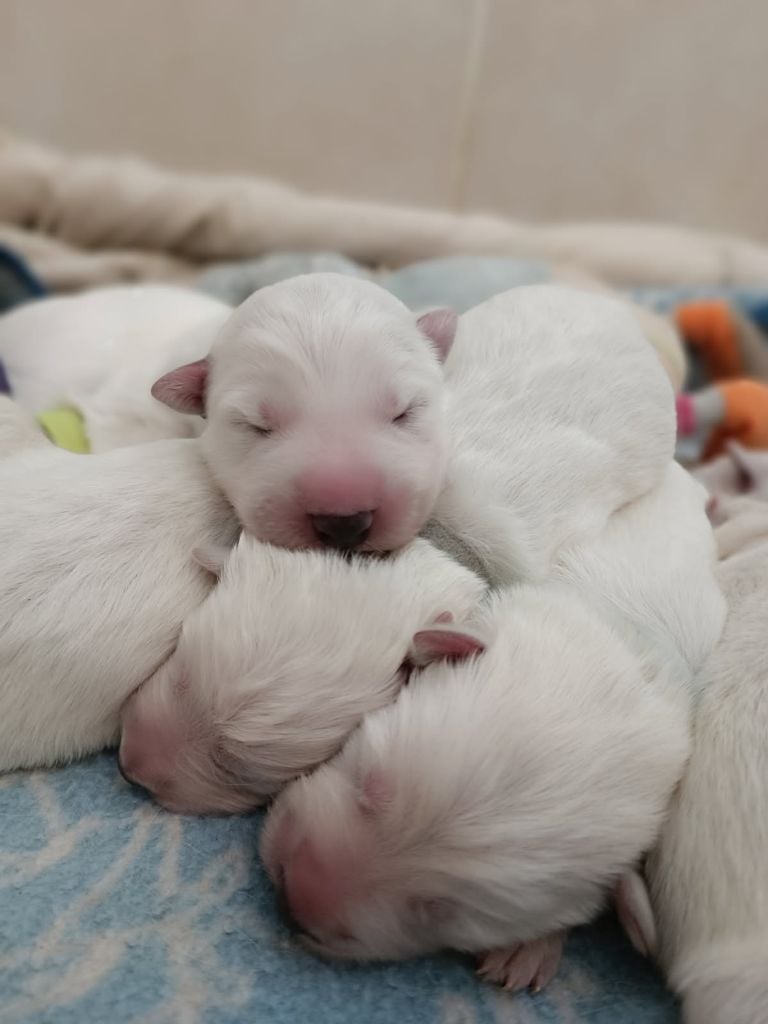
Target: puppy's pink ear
point(440, 327)
point(183, 389)
point(430, 645)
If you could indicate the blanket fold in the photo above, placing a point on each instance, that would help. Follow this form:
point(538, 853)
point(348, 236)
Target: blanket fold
point(84, 220)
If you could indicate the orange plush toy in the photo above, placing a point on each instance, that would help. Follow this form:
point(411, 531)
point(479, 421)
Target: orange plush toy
point(733, 352)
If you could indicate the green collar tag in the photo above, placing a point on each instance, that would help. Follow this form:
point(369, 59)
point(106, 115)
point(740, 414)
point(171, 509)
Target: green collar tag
point(66, 428)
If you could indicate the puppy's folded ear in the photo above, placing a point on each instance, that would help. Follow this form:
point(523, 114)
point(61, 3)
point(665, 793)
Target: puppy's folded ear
point(183, 389)
point(440, 327)
point(443, 644)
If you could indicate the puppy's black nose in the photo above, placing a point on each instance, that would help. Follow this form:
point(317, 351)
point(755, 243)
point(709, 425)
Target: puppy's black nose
point(342, 531)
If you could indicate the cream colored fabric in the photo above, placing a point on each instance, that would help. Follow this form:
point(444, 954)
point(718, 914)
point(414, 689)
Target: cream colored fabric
point(85, 220)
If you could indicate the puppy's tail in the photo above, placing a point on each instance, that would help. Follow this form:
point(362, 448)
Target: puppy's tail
point(728, 985)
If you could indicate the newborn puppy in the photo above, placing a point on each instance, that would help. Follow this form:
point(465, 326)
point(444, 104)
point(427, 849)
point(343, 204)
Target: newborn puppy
point(559, 412)
point(323, 398)
point(524, 770)
point(324, 403)
point(708, 876)
point(278, 666)
point(97, 579)
point(101, 350)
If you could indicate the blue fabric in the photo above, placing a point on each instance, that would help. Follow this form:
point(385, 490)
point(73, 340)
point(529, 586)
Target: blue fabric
point(114, 911)
point(18, 283)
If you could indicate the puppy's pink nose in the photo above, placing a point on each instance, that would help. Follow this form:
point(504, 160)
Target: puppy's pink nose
point(126, 773)
point(147, 752)
point(313, 889)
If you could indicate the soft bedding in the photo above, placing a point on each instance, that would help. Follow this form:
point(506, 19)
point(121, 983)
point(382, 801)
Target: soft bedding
point(114, 911)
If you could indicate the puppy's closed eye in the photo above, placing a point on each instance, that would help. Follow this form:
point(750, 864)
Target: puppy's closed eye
point(261, 430)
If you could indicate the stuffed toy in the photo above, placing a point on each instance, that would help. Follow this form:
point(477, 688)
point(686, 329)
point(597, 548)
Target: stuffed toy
point(732, 353)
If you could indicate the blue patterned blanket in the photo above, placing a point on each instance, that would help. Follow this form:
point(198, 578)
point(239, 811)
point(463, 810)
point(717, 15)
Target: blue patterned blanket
point(113, 911)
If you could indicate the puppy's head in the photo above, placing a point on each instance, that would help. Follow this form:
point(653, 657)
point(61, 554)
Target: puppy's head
point(509, 785)
point(324, 413)
point(277, 666)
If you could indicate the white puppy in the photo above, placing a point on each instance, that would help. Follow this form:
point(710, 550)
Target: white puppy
point(100, 351)
point(324, 404)
point(560, 412)
point(279, 665)
point(709, 874)
point(97, 579)
point(504, 793)
point(324, 412)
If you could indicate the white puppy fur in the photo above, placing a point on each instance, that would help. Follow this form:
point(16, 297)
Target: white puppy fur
point(324, 399)
point(97, 579)
point(500, 797)
point(559, 412)
point(18, 429)
point(102, 350)
point(708, 876)
point(279, 665)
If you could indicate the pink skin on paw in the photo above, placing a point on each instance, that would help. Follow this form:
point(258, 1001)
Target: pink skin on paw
point(531, 965)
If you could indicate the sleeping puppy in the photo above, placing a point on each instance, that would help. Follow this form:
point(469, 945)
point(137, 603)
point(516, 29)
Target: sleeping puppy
point(708, 876)
point(98, 580)
point(524, 769)
point(278, 666)
point(549, 451)
point(328, 421)
point(101, 350)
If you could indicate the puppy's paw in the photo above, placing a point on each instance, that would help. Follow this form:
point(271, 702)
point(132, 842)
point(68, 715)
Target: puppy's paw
point(530, 965)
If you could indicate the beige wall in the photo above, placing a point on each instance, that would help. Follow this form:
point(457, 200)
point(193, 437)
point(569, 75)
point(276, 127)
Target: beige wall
point(538, 108)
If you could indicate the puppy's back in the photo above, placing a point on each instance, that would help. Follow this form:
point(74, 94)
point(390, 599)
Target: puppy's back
point(97, 577)
point(709, 873)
